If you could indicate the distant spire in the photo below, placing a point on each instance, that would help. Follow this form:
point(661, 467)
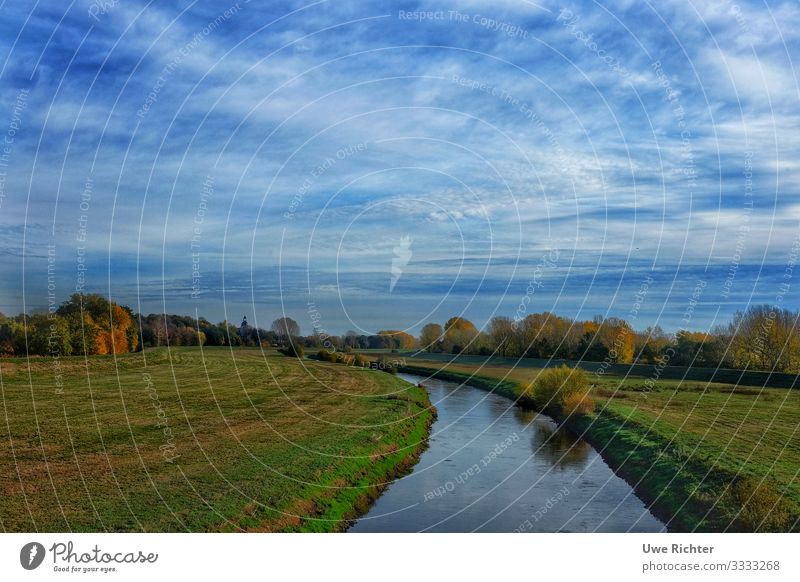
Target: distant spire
point(244, 321)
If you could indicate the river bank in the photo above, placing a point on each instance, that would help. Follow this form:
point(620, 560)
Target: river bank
point(687, 481)
point(494, 467)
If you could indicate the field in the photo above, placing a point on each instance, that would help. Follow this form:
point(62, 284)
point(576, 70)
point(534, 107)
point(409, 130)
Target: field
point(197, 439)
point(706, 456)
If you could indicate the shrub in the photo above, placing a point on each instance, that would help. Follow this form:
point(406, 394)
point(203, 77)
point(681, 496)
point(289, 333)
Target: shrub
point(555, 387)
point(293, 351)
point(578, 404)
point(386, 364)
point(343, 358)
point(760, 507)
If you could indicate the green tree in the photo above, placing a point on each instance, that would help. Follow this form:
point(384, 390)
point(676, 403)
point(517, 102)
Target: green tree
point(48, 335)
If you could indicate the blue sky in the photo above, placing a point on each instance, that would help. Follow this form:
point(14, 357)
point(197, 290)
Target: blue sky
point(626, 141)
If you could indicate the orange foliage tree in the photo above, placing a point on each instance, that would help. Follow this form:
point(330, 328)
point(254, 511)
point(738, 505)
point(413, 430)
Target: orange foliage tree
point(399, 339)
point(458, 334)
point(99, 326)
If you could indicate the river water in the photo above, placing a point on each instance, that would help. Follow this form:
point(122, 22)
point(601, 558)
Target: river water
point(493, 467)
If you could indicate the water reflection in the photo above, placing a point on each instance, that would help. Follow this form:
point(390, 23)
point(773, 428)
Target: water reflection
point(559, 446)
point(553, 443)
point(493, 467)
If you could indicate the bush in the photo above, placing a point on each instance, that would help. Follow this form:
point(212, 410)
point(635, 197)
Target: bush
point(348, 359)
point(555, 389)
point(386, 364)
point(293, 351)
point(578, 404)
point(760, 508)
point(345, 359)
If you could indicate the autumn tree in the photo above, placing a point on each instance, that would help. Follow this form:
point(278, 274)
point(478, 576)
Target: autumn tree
point(102, 326)
point(649, 344)
point(611, 339)
point(765, 338)
point(459, 333)
point(501, 335)
point(430, 339)
point(396, 339)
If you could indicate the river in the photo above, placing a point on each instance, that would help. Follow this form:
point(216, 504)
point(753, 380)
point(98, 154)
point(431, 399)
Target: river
point(493, 467)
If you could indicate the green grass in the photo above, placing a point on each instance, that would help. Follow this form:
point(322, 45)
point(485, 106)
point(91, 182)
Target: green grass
point(682, 445)
point(263, 442)
point(675, 375)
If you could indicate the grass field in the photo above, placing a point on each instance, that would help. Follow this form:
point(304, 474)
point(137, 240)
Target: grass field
point(211, 440)
point(707, 456)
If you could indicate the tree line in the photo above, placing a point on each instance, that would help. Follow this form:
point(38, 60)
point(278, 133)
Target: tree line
point(90, 324)
point(762, 337)
point(84, 324)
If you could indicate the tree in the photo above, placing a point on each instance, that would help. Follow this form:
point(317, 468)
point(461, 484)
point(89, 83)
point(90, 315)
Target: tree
point(649, 345)
point(715, 351)
point(285, 328)
point(766, 338)
point(688, 348)
point(231, 331)
point(608, 339)
point(459, 333)
point(213, 334)
point(158, 325)
point(430, 339)
point(535, 335)
point(8, 333)
point(398, 339)
point(351, 339)
point(105, 327)
point(48, 336)
point(191, 337)
point(501, 335)
point(83, 332)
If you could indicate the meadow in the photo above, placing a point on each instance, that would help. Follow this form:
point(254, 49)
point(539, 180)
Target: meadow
point(706, 456)
point(200, 439)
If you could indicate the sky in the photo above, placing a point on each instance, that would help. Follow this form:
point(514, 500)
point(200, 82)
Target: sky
point(367, 166)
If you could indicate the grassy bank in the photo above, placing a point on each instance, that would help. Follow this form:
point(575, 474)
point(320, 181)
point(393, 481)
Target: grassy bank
point(703, 456)
point(626, 373)
point(211, 440)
